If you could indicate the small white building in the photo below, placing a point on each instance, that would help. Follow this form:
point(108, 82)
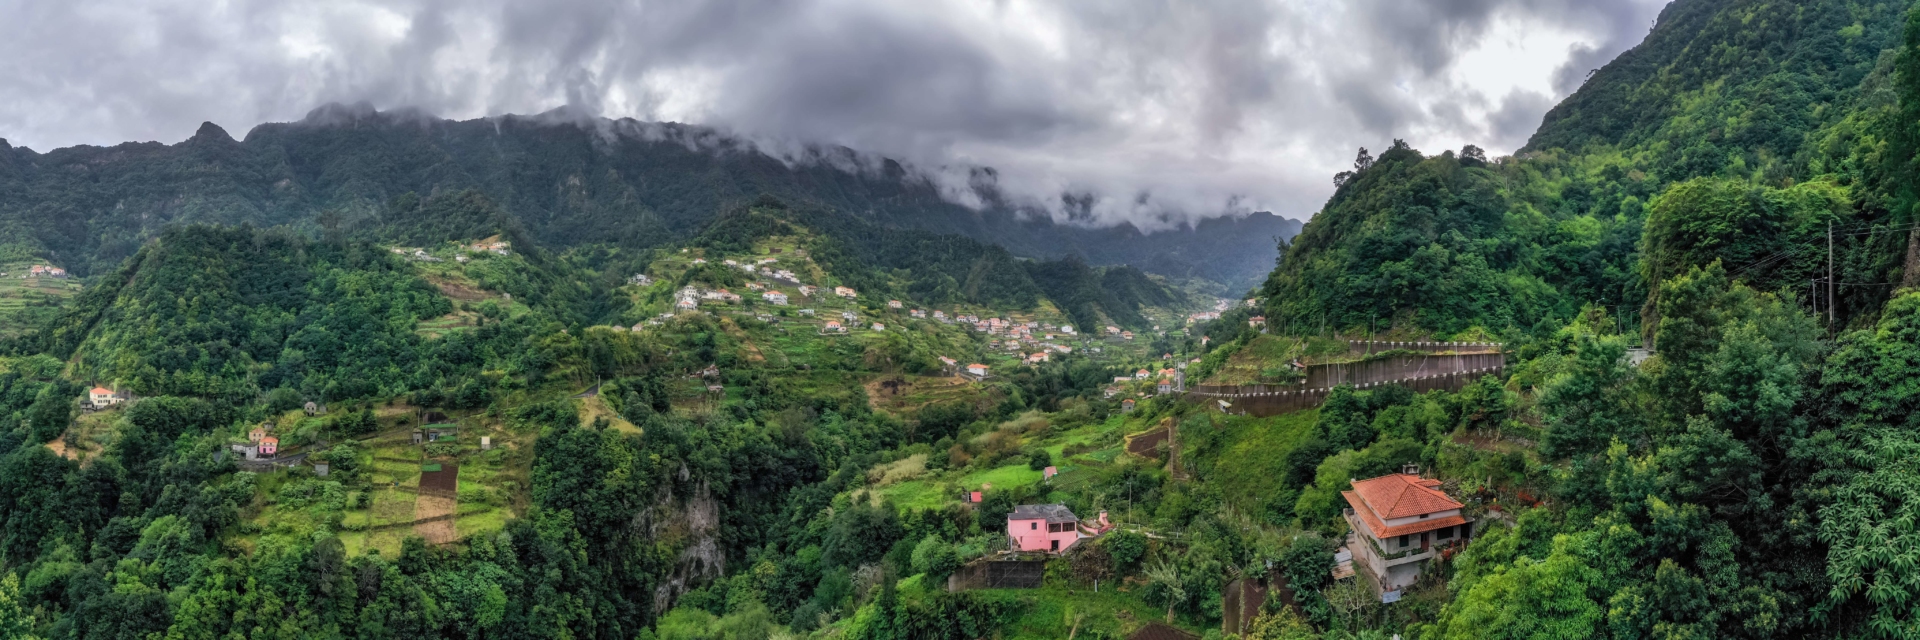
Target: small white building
point(977, 370)
point(844, 292)
point(104, 397)
point(775, 297)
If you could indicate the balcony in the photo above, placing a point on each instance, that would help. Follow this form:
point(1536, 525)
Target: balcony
point(1403, 556)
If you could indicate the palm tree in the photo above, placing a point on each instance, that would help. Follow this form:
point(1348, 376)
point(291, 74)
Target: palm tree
point(1169, 578)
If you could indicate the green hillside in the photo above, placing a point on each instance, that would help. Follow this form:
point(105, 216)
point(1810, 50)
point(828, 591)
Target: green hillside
point(1737, 131)
point(582, 411)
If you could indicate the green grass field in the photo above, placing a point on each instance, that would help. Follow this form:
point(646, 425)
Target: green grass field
point(1049, 613)
point(26, 303)
point(1250, 458)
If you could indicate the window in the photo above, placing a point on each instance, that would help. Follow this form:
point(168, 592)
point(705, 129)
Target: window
point(1443, 533)
point(1033, 526)
point(1403, 540)
point(1423, 516)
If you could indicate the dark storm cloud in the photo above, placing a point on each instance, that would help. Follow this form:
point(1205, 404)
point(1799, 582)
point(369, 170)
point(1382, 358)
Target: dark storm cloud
point(1153, 111)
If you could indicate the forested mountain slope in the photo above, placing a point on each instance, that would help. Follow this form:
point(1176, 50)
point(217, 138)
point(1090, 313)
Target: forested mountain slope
point(1747, 480)
point(569, 180)
point(530, 438)
point(1739, 130)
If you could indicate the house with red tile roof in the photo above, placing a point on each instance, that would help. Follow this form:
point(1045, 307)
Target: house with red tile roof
point(1399, 522)
point(102, 397)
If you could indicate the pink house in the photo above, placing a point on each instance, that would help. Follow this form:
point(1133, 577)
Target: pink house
point(1043, 527)
point(269, 446)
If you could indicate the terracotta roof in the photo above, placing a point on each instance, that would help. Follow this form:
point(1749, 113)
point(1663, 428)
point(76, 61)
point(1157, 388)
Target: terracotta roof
point(1380, 529)
point(102, 391)
point(270, 440)
point(1402, 496)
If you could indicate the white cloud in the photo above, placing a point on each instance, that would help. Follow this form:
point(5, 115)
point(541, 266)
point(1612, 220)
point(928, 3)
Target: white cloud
point(1162, 111)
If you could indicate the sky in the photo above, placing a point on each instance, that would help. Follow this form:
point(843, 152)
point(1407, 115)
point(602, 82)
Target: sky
point(1155, 112)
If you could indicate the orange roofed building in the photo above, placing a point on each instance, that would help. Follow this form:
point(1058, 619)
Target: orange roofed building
point(1399, 522)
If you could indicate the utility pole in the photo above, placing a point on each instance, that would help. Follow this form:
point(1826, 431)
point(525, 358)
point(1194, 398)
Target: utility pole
point(1830, 298)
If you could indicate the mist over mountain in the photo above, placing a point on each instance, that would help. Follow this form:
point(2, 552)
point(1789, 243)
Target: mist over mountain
point(569, 179)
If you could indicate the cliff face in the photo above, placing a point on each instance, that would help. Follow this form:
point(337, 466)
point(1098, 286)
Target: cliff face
point(690, 523)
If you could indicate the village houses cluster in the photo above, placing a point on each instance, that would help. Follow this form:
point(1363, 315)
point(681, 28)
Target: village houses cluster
point(45, 271)
point(418, 254)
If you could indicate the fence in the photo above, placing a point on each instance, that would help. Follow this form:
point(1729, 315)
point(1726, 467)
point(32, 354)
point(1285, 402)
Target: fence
point(1367, 347)
point(1420, 373)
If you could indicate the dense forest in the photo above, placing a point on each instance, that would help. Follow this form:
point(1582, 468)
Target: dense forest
point(1739, 132)
point(501, 415)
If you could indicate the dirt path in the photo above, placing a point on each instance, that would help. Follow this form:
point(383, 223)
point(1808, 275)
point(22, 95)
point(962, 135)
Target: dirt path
point(59, 447)
point(437, 501)
point(435, 522)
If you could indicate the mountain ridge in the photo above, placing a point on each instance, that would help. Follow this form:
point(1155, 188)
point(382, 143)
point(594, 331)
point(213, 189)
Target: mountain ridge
point(574, 181)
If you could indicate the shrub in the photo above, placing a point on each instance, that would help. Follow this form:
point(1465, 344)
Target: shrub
point(1039, 459)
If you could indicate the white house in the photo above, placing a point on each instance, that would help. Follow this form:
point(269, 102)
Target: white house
point(1400, 521)
point(775, 297)
point(104, 397)
point(844, 292)
point(977, 370)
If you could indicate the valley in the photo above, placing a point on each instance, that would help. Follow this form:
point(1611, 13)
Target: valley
point(379, 375)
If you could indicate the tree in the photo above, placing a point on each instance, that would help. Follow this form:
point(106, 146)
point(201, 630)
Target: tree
point(1529, 599)
point(1126, 548)
point(1472, 154)
point(1586, 406)
point(1039, 459)
point(1172, 585)
point(15, 622)
point(935, 558)
point(1280, 625)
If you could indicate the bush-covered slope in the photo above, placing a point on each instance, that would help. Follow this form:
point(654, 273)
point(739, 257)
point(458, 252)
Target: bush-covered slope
point(1737, 132)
